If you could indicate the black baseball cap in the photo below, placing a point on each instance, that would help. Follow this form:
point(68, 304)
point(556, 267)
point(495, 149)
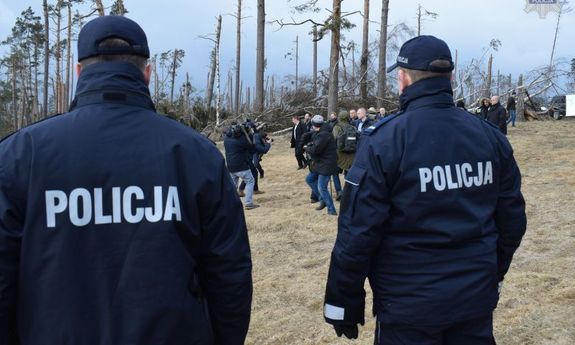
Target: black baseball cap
point(418, 53)
point(101, 28)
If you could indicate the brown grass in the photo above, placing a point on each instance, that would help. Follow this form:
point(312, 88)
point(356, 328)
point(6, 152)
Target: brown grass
point(291, 244)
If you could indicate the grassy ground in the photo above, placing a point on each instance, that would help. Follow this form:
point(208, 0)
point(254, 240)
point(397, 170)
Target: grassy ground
point(291, 244)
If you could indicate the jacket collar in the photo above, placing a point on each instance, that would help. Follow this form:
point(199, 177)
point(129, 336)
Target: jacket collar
point(432, 91)
point(112, 82)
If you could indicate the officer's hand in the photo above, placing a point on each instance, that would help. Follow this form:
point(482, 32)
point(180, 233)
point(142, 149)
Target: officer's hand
point(350, 331)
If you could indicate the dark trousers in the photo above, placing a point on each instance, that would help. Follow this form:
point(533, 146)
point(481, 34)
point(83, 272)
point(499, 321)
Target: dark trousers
point(472, 332)
point(255, 173)
point(301, 161)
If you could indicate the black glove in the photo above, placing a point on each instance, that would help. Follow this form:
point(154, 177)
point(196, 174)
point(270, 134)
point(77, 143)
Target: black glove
point(350, 331)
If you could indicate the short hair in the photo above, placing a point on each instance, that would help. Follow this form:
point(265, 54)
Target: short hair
point(111, 43)
point(417, 75)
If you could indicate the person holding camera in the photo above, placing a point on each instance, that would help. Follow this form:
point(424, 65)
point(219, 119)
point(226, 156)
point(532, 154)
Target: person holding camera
point(259, 148)
point(239, 149)
point(263, 144)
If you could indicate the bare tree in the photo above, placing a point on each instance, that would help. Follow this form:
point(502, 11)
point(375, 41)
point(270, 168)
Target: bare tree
point(66, 94)
point(333, 86)
point(46, 57)
point(421, 13)
point(315, 39)
point(364, 53)
point(118, 8)
point(177, 57)
point(563, 9)
point(238, 57)
point(100, 7)
point(382, 76)
point(489, 78)
point(260, 57)
point(214, 71)
point(58, 56)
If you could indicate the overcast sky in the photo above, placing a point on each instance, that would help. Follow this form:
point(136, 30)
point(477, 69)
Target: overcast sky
point(465, 25)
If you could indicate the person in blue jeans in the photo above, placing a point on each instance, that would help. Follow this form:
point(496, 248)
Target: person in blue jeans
point(511, 107)
point(337, 185)
point(323, 152)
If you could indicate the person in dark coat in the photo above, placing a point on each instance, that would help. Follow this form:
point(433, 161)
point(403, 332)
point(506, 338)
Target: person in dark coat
point(307, 122)
point(119, 225)
point(497, 115)
point(511, 110)
point(433, 229)
point(363, 122)
point(259, 147)
point(484, 108)
point(296, 136)
point(323, 152)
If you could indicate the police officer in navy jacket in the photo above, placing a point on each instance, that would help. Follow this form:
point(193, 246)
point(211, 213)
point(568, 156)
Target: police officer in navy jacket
point(431, 214)
point(117, 224)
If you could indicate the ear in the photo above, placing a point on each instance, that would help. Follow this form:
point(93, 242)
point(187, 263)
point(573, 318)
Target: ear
point(403, 80)
point(78, 69)
point(148, 74)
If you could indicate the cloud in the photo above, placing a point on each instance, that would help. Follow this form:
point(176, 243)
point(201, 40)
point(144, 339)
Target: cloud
point(7, 16)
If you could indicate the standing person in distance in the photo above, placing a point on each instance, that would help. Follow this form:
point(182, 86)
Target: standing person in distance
point(239, 150)
point(353, 117)
point(381, 113)
point(111, 231)
point(484, 108)
point(497, 115)
point(307, 122)
point(297, 133)
point(432, 213)
point(324, 156)
point(346, 139)
point(511, 110)
point(363, 122)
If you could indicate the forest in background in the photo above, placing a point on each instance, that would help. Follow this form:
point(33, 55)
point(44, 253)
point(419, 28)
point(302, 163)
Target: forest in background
point(37, 76)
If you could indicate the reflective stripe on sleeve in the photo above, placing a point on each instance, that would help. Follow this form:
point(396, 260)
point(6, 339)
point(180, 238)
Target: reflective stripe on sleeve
point(333, 313)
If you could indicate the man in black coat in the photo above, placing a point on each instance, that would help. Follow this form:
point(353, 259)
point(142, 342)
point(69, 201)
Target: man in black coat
point(323, 153)
point(296, 136)
point(497, 115)
point(363, 122)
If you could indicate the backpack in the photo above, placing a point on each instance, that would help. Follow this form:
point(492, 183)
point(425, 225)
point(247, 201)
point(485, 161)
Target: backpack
point(347, 139)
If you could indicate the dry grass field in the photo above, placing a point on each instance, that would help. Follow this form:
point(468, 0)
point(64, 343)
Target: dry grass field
point(291, 244)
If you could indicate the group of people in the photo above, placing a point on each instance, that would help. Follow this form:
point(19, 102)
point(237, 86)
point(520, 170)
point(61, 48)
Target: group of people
point(491, 110)
point(327, 149)
point(121, 226)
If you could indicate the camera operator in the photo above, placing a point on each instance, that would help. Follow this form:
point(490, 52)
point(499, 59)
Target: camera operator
point(249, 129)
point(306, 138)
point(239, 148)
point(263, 144)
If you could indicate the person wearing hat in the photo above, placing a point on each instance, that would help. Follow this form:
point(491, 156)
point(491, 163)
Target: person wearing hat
point(431, 214)
point(117, 224)
point(322, 150)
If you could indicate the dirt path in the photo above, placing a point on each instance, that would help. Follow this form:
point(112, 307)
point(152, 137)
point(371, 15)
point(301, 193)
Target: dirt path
point(291, 244)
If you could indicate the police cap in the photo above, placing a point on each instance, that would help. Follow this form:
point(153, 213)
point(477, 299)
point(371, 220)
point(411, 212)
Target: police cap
point(101, 28)
point(418, 53)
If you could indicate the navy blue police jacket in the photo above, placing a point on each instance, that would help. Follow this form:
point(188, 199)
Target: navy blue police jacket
point(119, 226)
point(431, 214)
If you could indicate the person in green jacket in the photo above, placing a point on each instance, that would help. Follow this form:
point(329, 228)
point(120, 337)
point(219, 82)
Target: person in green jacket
point(344, 159)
